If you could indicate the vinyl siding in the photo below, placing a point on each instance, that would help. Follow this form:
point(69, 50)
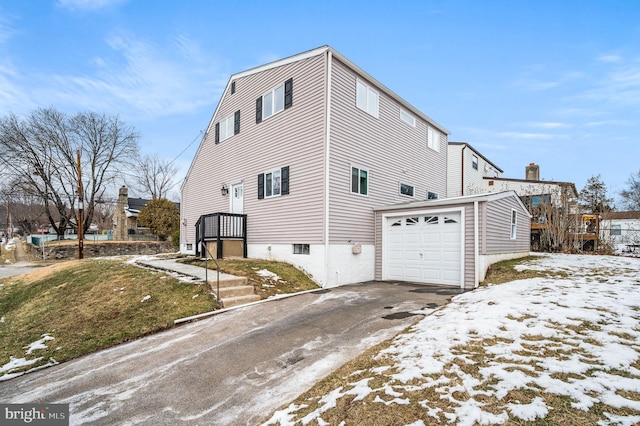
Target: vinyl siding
point(392, 151)
point(498, 227)
point(454, 172)
point(294, 137)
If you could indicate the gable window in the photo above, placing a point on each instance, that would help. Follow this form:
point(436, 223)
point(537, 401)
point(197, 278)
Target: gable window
point(301, 249)
point(276, 100)
point(433, 139)
point(233, 87)
point(432, 195)
point(359, 181)
point(474, 162)
point(406, 189)
point(366, 98)
point(407, 118)
point(228, 127)
point(514, 224)
point(273, 183)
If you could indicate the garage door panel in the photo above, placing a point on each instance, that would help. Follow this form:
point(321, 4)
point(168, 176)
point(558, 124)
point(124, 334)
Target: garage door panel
point(425, 248)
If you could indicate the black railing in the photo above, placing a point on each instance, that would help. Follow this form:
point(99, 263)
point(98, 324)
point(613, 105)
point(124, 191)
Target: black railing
point(219, 227)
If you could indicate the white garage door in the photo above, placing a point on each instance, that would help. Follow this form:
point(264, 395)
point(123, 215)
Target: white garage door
point(425, 248)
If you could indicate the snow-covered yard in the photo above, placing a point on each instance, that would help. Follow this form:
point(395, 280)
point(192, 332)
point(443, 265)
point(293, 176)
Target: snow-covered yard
point(514, 351)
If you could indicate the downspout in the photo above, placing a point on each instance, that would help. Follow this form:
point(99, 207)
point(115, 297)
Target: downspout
point(326, 169)
point(462, 171)
point(476, 242)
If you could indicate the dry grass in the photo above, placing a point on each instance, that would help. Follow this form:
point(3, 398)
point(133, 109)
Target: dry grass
point(291, 279)
point(89, 305)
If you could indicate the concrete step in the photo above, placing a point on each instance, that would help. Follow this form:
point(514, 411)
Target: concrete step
point(228, 302)
point(227, 281)
point(240, 290)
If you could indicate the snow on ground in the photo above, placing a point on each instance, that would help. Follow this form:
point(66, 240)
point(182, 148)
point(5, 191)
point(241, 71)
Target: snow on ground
point(7, 370)
point(573, 333)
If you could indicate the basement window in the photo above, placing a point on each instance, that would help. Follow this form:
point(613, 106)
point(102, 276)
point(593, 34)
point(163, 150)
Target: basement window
point(301, 249)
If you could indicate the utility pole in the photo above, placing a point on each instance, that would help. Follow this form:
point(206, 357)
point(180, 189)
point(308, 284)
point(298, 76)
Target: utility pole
point(80, 208)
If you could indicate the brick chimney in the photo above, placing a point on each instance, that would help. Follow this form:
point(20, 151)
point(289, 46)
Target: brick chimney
point(532, 172)
point(120, 216)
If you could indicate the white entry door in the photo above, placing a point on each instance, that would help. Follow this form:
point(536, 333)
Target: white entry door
point(425, 248)
point(237, 198)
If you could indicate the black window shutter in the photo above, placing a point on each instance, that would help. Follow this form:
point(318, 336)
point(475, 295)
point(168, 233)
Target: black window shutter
point(260, 186)
point(284, 175)
point(233, 87)
point(259, 109)
point(236, 122)
point(288, 93)
point(217, 132)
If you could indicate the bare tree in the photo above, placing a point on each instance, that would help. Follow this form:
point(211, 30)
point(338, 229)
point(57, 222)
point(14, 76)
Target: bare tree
point(40, 152)
point(155, 176)
point(631, 195)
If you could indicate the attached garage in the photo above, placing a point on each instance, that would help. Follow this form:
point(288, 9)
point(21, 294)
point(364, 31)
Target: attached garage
point(425, 247)
point(451, 241)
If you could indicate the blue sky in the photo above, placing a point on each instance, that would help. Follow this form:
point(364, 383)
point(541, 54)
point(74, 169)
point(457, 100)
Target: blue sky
point(551, 82)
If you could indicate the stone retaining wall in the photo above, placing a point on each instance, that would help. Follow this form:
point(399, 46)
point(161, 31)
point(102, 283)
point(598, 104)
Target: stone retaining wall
point(55, 251)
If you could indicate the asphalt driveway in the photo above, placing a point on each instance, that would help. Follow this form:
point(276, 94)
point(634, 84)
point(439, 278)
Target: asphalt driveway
point(233, 368)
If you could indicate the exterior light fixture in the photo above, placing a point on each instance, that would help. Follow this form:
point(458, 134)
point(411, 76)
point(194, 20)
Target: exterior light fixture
point(224, 190)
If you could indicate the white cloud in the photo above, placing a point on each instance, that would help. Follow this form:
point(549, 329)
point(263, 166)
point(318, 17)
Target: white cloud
point(89, 5)
point(548, 125)
point(527, 135)
point(142, 78)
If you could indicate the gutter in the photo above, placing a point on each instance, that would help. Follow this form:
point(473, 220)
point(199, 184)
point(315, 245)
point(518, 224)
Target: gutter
point(327, 151)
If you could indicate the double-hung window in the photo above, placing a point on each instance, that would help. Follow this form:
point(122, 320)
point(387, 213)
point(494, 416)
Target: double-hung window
point(433, 139)
point(366, 98)
point(228, 127)
point(359, 181)
point(273, 183)
point(274, 101)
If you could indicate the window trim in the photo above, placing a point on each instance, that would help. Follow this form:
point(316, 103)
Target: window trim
point(413, 190)
point(407, 118)
point(367, 103)
point(433, 138)
point(303, 249)
point(514, 224)
point(359, 192)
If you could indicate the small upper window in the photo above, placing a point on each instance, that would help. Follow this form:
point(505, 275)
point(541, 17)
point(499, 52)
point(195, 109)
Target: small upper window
point(366, 98)
point(474, 162)
point(406, 189)
point(514, 224)
point(359, 181)
point(433, 139)
point(407, 118)
point(432, 195)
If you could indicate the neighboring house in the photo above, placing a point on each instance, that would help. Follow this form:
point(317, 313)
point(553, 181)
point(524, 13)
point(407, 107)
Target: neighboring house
point(621, 230)
point(467, 169)
point(125, 217)
point(298, 155)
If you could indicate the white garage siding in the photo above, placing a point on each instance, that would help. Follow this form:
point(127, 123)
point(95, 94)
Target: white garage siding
point(424, 247)
point(411, 245)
